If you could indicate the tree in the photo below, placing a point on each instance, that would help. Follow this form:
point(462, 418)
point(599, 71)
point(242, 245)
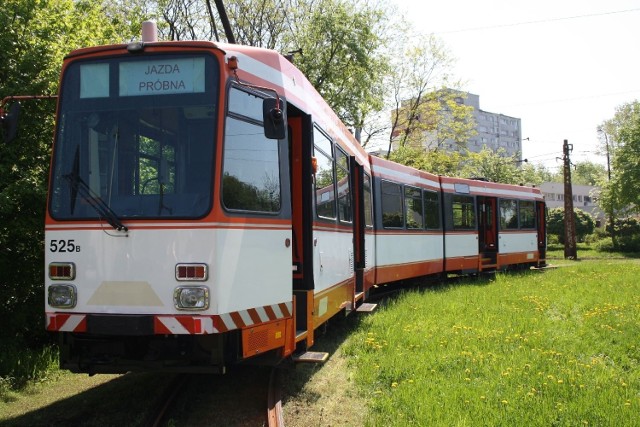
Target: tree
point(588, 173)
point(427, 107)
point(496, 167)
point(436, 162)
point(337, 43)
point(622, 192)
point(36, 36)
point(339, 48)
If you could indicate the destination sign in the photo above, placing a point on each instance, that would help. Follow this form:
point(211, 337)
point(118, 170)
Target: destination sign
point(162, 77)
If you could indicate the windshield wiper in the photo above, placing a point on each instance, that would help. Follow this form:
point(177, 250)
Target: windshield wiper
point(78, 186)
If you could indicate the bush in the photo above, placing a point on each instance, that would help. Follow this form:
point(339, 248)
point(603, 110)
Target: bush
point(585, 225)
point(20, 365)
point(627, 234)
point(604, 245)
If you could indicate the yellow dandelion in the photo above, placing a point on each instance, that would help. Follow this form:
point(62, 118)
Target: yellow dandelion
point(394, 384)
point(505, 402)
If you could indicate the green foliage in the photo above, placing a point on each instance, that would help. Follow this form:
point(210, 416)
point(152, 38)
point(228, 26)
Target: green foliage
point(485, 164)
point(338, 45)
point(497, 167)
point(622, 192)
point(584, 223)
point(532, 349)
point(23, 365)
point(588, 173)
point(431, 119)
point(436, 162)
point(627, 232)
point(36, 36)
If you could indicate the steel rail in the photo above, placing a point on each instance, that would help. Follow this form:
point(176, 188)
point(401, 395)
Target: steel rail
point(274, 400)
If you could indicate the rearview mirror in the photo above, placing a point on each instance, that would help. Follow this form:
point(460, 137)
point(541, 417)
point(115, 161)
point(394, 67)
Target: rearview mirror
point(9, 122)
point(274, 117)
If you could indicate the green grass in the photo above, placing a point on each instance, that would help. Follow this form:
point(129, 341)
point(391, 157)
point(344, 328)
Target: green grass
point(587, 252)
point(538, 349)
point(21, 366)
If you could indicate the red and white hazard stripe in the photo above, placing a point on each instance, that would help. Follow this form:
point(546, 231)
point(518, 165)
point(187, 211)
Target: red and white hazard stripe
point(254, 316)
point(186, 324)
point(67, 322)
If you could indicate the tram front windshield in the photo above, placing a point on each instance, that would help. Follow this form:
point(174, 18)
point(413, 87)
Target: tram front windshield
point(135, 138)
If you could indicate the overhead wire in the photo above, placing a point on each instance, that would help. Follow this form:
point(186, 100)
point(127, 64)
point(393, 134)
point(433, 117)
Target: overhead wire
point(534, 22)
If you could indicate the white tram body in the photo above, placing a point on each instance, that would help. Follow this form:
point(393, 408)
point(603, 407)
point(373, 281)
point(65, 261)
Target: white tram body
point(207, 207)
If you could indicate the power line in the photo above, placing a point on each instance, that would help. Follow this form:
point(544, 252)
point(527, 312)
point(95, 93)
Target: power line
point(540, 21)
point(564, 100)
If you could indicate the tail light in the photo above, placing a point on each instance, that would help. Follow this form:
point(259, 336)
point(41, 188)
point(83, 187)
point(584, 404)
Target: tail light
point(192, 272)
point(62, 271)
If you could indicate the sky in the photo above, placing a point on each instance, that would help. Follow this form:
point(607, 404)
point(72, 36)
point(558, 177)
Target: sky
point(560, 66)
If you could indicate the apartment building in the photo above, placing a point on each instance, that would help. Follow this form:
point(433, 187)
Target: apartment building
point(584, 197)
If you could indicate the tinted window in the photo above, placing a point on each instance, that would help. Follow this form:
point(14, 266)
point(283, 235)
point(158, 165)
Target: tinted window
point(432, 209)
point(251, 164)
point(368, 206)
point(527, 214)
point(344, 194)
point(414, 209)
point(143, 149)
point(464, 217)
point(391, 205)
point(508, 214)
point(325, 184)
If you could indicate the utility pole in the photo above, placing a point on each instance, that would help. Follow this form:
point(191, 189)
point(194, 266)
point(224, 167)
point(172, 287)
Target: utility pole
point(570, 251)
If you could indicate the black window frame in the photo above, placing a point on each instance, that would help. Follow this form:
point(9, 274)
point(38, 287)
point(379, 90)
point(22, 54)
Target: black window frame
point(280, 147)
point(321, 146)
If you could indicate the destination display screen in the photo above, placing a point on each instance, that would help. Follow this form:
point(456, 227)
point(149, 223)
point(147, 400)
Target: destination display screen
point(165, 76)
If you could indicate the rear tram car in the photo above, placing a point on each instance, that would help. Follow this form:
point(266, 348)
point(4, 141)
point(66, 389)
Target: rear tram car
point(207, 207)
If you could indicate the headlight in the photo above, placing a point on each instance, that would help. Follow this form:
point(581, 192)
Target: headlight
point(62, 296)
point(191, 298)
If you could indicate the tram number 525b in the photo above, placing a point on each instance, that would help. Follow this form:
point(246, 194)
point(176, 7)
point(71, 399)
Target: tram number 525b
point(63, 246)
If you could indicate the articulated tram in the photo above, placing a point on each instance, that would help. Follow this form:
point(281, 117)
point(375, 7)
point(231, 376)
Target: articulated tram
point(206, 207)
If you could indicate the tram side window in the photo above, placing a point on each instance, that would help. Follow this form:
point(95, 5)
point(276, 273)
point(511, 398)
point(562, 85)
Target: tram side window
point(324, 179)
point(368, 206)
point(464, 216)
point(527, 214)
point(508, 214)
point(344, 195)
point(431, 210)
point(251, 163)
point(391, 205)
point(414, 216)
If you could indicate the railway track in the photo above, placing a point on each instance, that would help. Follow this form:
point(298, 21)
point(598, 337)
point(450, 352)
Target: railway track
point(235, 398)
point(275, 416)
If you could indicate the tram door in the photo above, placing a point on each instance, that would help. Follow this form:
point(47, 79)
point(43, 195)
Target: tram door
point(300, 141)
point(541, 220)
point(357, 194)
point(488, 231)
